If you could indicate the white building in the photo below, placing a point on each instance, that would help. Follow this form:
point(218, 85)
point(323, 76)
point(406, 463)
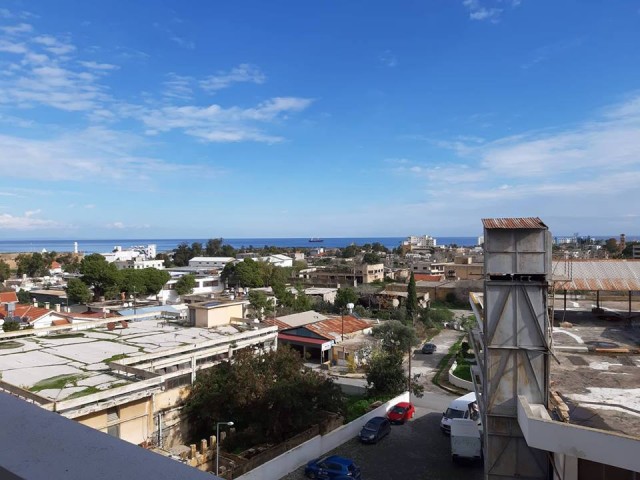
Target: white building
point(141, 252)
point(419, 241)
point(139, 264)
point(278, 260)
point(210, 262)
point(205, 285)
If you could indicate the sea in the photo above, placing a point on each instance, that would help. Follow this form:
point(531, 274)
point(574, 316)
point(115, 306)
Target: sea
point(166, 244)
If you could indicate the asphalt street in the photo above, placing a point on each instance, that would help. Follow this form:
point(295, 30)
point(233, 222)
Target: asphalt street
point(418, 449)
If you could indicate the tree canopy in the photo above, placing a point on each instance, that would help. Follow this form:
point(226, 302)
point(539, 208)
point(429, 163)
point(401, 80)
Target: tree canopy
point(243, 274)
point(185, 284)
point(261, 304)
point(269, 397)
point(345, 296)
point(33, 264)
point(370, 258)
point(5, 271)
point(412, 298)
point(385, 375)
point(396, 337)
point(100, 274)
point(78, 291)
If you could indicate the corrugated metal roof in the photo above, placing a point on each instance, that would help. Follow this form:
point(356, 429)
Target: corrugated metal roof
point(605, 275)
point(526, 222)
point(332, 327)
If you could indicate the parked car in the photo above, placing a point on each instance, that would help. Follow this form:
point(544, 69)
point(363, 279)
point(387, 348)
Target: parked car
point(374, 430)
point(429, 348)
point(334, 467)
point(401, 412)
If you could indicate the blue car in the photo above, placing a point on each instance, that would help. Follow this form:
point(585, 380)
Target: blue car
point(334, 467)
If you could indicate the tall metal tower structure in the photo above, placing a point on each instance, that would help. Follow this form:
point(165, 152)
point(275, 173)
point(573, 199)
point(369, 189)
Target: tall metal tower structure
point(516, 342)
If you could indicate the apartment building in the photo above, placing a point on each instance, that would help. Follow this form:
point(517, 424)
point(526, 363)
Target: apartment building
point(343, 276)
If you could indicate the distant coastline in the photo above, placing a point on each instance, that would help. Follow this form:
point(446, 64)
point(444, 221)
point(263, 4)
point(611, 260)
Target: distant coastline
point(165, 245)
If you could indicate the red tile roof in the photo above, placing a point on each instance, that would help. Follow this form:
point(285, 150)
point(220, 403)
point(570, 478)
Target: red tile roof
point(8, 297)
point(55, 265)
point(58, 323)
point(28, 312)
point(425, 277)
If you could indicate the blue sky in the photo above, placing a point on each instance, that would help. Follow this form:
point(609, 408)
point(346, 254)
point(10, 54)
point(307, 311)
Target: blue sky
point(154, 119)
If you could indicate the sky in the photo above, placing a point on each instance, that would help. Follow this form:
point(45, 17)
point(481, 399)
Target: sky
point(289, 118)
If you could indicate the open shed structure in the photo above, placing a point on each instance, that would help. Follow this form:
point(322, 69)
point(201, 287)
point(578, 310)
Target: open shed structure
point(599, 276)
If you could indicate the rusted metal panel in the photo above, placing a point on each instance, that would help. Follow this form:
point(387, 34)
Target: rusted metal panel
point(604, 275)
point(516, 251)
point(513, 223)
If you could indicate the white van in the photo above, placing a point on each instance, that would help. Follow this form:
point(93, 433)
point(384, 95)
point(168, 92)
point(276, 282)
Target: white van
point(465, 440)
point(462, 407)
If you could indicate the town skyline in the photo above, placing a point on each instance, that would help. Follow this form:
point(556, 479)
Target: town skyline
point(324, 120)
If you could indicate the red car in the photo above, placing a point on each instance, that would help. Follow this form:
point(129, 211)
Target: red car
point(401, 412)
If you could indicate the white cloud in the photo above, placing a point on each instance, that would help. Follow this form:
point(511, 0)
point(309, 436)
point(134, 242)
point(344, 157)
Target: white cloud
point(217, 124)
point(178, 87)
point(242, 73)
point(17, 29)
point(25, 222)
point(54, 45)
point(116, 225)
point(183, 42)
point(99, 66)
point(489, 10)
point(96, 154)
point(388, 59)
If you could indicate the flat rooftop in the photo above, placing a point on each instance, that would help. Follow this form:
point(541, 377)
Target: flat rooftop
point(74, 363)
point(600, 379)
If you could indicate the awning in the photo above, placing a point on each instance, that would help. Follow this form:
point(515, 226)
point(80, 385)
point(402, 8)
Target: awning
point(306, 341)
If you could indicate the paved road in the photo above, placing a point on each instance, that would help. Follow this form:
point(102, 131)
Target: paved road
point(414, 451)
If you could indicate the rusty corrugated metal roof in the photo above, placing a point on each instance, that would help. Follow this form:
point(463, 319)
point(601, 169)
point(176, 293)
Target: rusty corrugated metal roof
point(605, 275)
point(526, 222)
point(332, 327)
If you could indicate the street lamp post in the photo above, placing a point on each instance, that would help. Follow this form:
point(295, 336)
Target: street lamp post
point(218, 442)
point(349, 307)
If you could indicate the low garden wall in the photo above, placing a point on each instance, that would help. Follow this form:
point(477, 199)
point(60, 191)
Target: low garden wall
point(459, 382)
point(317, 446)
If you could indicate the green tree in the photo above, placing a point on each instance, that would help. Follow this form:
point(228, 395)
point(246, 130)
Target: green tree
point(261, 304)
point(345, 296)
point(185, 284)
point(212, 249)
point(32, 264)
point(412, 298)
point(24, 297)
point(350, 251)
point(397, 338)
point(166, 259)
point(5, 271)
point(196, 249)
point(270, 397)
point(78, 291)
point(182, 255)
point(10, 326)
point(371, 258)
point(101, 275)
point(611, 246)
point(385, 375)
point(247, 273)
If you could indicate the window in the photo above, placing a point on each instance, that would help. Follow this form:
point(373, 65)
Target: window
point(114, 430)
point(113, 415)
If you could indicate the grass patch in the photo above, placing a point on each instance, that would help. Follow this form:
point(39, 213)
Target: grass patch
point(444, 362)
point(115, 358)
point(57, 382)
point(463, 370)
point(10, 344)
point(83, 393)
point(358, 405)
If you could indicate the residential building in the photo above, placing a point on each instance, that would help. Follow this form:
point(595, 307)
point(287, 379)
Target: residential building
point(343, 275)
point(123, 376)
point(278, 260)
point(206, 284)
point(419, 242)
point(210, 262)
point(139, 264)
point(214, 313)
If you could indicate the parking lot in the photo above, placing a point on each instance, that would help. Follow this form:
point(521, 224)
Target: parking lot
point(414, 451)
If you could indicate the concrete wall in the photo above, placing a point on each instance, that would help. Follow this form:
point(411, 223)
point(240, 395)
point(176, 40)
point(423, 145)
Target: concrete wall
point(135, 420)
point(459, 382)
point(221, 315)
point(586, 443)
point(317, 446)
